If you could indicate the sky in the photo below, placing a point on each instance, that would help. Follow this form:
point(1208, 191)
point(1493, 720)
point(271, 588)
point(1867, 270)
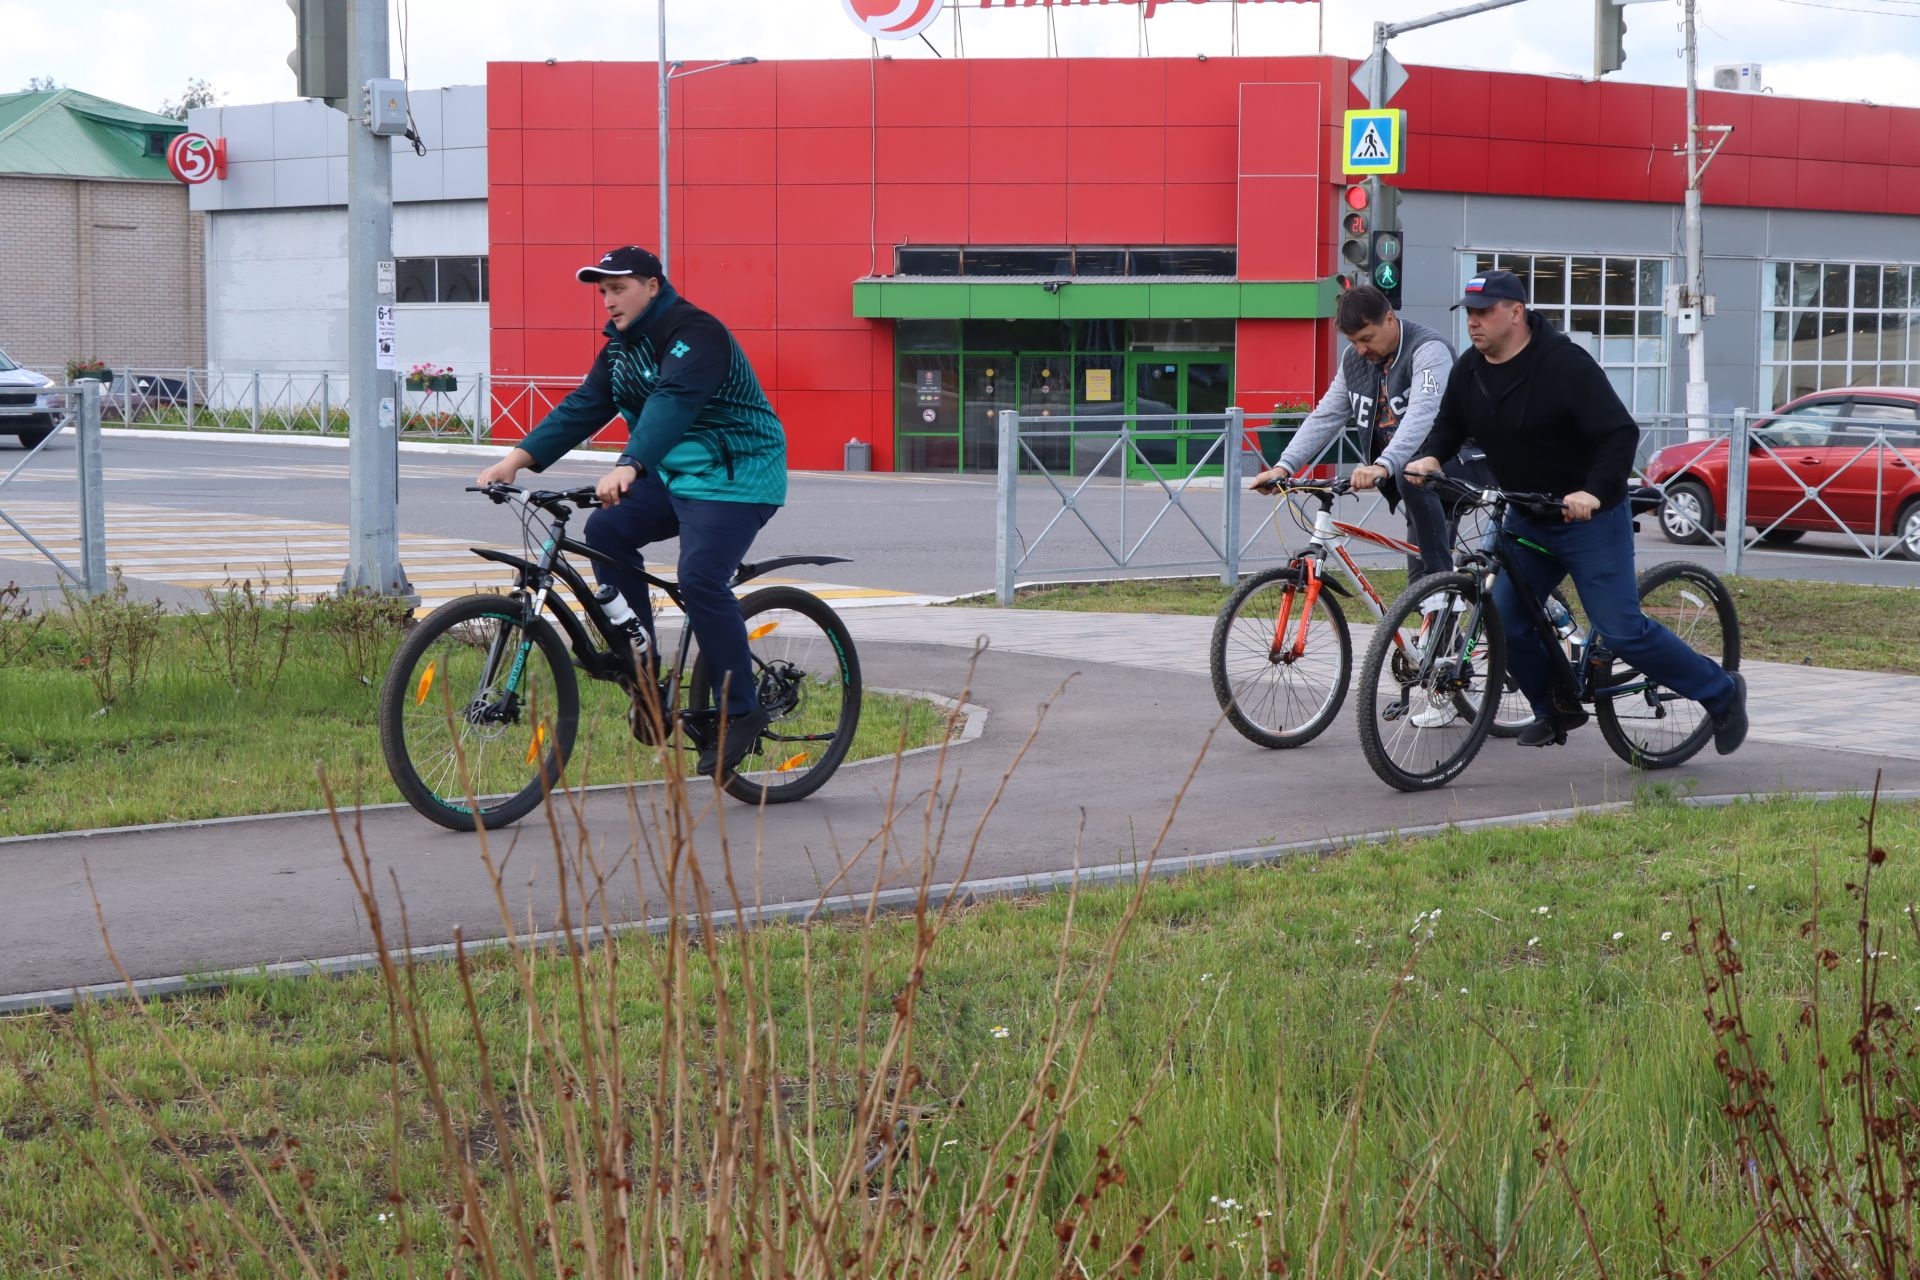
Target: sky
point(143, 52)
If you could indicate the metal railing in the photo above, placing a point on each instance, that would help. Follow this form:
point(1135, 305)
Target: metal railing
point(289, 402)
point(1091, 465)
point(75, 410)
point(1759, 483)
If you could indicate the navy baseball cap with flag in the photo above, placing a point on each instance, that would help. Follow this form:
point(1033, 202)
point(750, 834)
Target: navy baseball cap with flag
point(1490, 287)
point(628, 260)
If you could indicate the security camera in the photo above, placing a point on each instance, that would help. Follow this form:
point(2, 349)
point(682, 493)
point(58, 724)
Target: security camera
point(1053, 286)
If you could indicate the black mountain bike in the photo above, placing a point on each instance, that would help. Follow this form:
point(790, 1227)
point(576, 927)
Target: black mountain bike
point(1422, 710)
point(488, 680)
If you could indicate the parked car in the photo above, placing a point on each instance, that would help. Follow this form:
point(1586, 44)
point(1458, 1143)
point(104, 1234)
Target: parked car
point(19, 389)
point(1825, 443)
point(148, 394)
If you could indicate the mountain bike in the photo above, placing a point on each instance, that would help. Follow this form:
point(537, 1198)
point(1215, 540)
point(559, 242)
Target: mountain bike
point(1443, 643)
point(481, 699)
point(1281, 655)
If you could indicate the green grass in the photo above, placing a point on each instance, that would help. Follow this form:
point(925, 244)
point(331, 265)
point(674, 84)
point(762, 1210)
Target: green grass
point(184, 744)
point(1852, 626)
point(1257, 990)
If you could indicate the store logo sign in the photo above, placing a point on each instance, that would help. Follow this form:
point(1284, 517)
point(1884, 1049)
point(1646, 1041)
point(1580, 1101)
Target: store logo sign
point(194, 157)
point(892, 19)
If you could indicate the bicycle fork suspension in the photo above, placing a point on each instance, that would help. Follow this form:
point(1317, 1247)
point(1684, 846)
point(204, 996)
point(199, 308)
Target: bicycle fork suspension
point(1281, 649)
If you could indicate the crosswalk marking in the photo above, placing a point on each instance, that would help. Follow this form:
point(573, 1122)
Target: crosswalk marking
point(184, 550)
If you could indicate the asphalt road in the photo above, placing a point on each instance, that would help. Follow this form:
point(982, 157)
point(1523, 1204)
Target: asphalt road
point(923, 534)
point(1110, 758)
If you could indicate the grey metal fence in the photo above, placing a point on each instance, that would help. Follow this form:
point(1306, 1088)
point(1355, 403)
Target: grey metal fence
point(1139, 490)
point(1759, 484)
point(62, 411)
point(295, 402)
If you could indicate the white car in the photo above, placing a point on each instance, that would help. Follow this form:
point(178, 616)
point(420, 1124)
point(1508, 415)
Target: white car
point(19, 394)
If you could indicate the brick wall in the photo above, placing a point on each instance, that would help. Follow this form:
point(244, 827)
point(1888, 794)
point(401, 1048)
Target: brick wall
point(106, 269)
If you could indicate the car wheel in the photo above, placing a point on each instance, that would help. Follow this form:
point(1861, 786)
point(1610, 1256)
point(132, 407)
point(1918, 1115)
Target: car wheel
point(34, 435)
point(1782, 537)
point(1687, 514)
point(1907, 530)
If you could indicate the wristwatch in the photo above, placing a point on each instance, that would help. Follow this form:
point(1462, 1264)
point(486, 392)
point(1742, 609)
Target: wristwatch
point(625, 461)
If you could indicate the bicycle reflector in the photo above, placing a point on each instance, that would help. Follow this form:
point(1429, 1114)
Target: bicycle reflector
point(1356, 226)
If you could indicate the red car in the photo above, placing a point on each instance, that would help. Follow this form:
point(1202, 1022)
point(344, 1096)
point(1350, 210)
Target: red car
point(1826, 442)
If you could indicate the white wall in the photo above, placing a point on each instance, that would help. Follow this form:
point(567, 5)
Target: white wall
point(277, 290)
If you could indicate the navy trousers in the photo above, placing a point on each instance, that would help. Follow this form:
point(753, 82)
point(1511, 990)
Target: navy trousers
point(714, 539)
point(1598, 553)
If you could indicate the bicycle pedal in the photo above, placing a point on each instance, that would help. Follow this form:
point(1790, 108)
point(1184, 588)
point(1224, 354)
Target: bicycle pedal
point(1394, 710)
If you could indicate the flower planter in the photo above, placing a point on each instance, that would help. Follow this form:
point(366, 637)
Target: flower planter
point(446, 382)
point(94, 375)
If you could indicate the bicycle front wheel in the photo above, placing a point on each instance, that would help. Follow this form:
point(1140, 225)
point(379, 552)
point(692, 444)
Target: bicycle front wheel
point(809, 678)
point(1280, 668)
point(1422, 702)
point(1647, 725)
point(478, 713)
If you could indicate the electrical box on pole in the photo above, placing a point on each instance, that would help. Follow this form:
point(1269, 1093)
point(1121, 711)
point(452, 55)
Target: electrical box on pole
point(319, 57)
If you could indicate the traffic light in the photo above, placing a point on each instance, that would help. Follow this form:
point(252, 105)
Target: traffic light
point(1385, 243)
point(1356, 234)
point(319, 57)
point(1609, 37)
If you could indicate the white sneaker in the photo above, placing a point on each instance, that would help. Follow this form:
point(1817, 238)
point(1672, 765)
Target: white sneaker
point(1437, 713)
point(1452, 601)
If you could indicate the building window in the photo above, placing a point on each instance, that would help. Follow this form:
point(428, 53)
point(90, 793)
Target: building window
point(1072, 260)
point(454, 280)
point(1828, 324)
point(1613, 307)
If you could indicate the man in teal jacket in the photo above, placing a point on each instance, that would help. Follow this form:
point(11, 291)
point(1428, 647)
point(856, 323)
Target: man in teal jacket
point(705, 461)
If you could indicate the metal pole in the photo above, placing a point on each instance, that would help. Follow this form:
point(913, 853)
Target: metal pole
point(1738, 442)
point(1005, 537)
point(93, 495)
point(372, 430)
point(1230, 492)
point(1446, 15)
point(481, 415)
point(254, 399)
point(326, 403)
point(1377, 82)
point(661, 7)
point(1696, 282)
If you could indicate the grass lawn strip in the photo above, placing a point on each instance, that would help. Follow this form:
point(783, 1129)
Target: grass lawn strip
point(1565, 941)
point(184, 744)
point(1842, 625)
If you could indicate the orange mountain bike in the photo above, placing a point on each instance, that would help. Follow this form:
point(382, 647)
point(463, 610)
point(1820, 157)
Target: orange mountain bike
point(1282, 656)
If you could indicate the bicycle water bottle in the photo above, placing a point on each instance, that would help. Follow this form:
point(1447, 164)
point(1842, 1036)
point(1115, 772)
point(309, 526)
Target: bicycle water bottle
point(621, 615)
point(1561, 619)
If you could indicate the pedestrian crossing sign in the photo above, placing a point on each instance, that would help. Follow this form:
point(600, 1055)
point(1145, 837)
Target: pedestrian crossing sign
point(1376, 141)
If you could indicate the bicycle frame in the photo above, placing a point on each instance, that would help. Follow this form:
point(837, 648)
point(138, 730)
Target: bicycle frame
point(1327, 538)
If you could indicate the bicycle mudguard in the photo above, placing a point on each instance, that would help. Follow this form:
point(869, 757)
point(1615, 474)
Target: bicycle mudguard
point(752, 569)
point(521, 563)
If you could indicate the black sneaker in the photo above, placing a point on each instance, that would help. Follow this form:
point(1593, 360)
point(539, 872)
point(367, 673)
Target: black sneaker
point(1730, 726)
point(743, 738)
point(1552, 729)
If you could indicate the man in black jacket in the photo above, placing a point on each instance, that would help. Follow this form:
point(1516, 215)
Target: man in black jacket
point(1550, 423)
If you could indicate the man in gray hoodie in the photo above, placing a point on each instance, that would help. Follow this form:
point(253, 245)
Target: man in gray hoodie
point(1389, 385)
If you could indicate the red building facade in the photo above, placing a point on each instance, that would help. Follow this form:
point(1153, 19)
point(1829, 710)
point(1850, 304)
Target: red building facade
point(791, 182)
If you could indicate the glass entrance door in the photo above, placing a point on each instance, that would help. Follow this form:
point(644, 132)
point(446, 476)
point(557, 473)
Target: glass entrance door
point(992, 384)
point(1046, 391)
point(1176, 383)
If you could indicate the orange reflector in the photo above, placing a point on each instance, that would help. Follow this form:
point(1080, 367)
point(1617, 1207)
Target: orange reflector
point(426, 683)
point(539, 740)
point(759, 632)
point(789, 766)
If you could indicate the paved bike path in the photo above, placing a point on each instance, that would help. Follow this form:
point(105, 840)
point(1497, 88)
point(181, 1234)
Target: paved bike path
point(1110, 756)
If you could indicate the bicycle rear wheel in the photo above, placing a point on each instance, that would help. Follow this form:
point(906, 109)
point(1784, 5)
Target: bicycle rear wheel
point(1279, 669)
point(809, 678)
point(1422, 703)
point(1651, 727)
point(478, 713)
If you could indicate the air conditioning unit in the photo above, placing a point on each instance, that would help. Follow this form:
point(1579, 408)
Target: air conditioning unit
point(1738, 77)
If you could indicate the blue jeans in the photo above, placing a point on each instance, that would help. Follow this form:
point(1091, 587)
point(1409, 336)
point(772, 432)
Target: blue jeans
point(1598, 553)
point(714, 538)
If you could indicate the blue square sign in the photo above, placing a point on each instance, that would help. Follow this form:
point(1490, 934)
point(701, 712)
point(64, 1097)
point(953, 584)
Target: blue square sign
point(1376, 141)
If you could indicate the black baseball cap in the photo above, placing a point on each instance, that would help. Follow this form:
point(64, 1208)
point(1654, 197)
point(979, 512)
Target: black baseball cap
point(1490, 287)
point(628, 260)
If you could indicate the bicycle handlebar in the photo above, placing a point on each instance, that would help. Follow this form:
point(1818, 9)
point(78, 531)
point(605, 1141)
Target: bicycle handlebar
point(1487, 497)
point(1331, 488)
point(582, 498)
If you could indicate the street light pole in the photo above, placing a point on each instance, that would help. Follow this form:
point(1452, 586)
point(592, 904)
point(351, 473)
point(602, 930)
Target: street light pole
point(661, 6)
point(671, 71)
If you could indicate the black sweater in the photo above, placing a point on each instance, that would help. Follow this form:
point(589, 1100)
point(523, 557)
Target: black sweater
point(1557, 427)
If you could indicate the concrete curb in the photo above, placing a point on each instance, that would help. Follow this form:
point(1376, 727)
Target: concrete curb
point(974, 723)
point(966, 893)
